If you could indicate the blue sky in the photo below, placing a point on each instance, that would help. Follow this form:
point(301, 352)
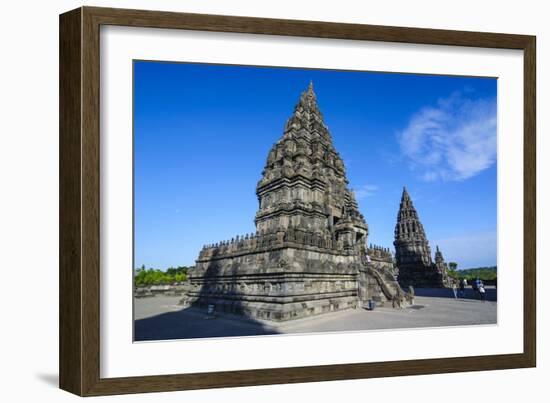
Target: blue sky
point(202, 134)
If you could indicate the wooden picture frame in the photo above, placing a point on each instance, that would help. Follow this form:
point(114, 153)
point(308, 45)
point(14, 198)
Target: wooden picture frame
point(79, 278)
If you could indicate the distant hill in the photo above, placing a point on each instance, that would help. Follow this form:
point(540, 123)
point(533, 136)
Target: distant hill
point(483, 273)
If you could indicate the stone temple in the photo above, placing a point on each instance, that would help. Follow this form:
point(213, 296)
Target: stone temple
point(309, 253)
point(412, 251)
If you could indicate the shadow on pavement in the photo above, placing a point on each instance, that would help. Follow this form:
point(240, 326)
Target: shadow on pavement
point(192, 323)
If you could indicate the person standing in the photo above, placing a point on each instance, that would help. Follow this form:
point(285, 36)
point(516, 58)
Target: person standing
point(481, 290)
point(453, 285)
point(462, 288)
point(475, 285)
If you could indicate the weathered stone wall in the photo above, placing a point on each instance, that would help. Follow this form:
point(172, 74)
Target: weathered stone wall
point(288, 275)
point(278, 284)
point(258, 242)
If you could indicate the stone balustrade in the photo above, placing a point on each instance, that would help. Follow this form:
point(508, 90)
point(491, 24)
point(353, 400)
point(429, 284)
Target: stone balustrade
point(379, 252)
point(253, 242)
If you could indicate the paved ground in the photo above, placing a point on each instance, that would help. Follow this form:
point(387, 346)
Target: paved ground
point(160, 318)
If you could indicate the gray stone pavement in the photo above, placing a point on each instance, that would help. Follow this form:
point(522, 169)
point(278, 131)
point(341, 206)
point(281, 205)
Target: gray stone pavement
point(160, 318)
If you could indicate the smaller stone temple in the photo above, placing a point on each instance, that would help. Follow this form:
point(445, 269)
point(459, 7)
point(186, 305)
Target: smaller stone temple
point(441, 265)
point(412, 250)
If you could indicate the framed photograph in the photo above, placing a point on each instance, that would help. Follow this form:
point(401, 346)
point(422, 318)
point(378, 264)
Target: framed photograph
point(248, 201)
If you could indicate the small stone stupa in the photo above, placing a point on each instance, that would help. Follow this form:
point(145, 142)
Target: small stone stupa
point(308, 255)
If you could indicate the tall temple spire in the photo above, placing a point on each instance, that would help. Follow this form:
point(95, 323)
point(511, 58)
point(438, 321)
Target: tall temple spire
point(412, 250)
point(304, 179)
point(307, 118)
point(405, 195)
point(408, 223)
point(308, 100)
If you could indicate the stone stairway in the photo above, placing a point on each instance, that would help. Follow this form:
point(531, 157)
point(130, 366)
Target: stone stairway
point(389, 289)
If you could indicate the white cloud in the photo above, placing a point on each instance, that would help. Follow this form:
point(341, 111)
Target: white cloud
point(365, 191)
point(452, 141)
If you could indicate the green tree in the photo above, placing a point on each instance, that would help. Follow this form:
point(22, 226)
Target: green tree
point(151, 276)
point(483, 273)
point(452, 270)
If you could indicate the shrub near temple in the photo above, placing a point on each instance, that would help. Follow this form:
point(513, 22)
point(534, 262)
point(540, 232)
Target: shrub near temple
point(145, 277)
